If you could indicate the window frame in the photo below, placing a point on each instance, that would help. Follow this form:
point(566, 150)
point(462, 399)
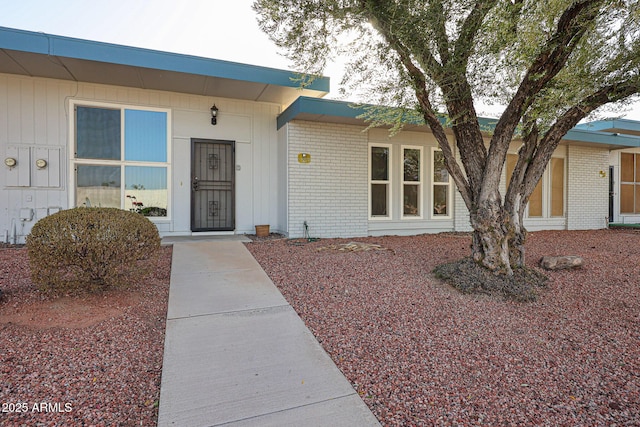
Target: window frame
point(634, 184)
point(74, 161)
point(388, 182)
point(418, 183)
point(449, 191)
point(546, 185)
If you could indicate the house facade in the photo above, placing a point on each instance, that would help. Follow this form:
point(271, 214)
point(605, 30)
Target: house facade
point(92, 124)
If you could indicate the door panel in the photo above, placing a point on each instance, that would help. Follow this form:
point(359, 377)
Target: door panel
point(212, 185)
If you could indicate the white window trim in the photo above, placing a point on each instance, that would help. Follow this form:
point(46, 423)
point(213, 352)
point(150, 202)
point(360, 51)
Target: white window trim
point(388, 182)
point(419, 184)
point(73, 161)
point(432, 185)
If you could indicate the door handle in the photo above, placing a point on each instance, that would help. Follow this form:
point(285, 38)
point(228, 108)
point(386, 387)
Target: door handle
point(195, 184)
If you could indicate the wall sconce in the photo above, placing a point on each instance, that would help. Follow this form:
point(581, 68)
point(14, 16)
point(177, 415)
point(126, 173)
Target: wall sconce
point(10, 161)
point(214, 115)
point(41, 163)
point(602, 174)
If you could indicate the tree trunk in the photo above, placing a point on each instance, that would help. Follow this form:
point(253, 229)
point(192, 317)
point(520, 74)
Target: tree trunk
point(490, 245)
point(499, 236)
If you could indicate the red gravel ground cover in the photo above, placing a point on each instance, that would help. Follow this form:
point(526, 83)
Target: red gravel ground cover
point(93, 360)
point(421, 353)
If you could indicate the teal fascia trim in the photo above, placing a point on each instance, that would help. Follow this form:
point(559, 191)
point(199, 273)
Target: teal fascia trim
point(325, 107)
point(623, 124)
point(333, 108)
point(604, 138)
point(51, 45)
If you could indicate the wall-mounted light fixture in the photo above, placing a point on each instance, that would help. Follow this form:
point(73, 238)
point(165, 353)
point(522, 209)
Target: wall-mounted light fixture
point(602, 174)
point(41, 163)
point(214, 115)
point(10, 161)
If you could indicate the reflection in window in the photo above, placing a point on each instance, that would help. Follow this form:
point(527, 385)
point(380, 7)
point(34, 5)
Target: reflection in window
point(441, 185)
point(411, 197)
point(379, 183)
point(412, 188)
point(141, 159)
point(378, 200)
point(98, 186)
point(145, 135)
point(379, 163)
point(146, 190)
point(440, 199)
point(440, 172)
point(97, 133)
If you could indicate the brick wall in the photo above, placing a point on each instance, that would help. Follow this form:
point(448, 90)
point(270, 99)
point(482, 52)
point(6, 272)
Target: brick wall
point(330, 192)
point(587, 191)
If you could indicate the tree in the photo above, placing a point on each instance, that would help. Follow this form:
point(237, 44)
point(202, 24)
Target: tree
point(551, 62)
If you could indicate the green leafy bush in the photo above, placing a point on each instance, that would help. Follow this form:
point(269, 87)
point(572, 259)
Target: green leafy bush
point(90, 248)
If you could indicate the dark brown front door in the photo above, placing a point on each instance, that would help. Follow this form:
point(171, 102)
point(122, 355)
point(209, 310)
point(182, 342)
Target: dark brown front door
point(212, 185)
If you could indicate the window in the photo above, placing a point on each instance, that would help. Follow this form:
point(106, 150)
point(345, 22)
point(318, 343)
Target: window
point(412, 182)
point(629, 183)
point(379, 183)
point(547, 199)
point(121, 158)
point(441, 186)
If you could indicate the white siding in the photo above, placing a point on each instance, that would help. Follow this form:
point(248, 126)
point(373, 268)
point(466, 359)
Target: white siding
point(34, 118)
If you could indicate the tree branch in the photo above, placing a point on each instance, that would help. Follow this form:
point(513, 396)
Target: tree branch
point(571, 26)
point(464, 44)
point(551, 139)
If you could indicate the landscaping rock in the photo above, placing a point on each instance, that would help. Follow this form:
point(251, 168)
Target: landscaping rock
point(561, 262)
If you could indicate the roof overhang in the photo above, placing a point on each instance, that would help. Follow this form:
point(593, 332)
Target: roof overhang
point(602, 134)
point(42, 55)
point(597, 138)
point(619, 126)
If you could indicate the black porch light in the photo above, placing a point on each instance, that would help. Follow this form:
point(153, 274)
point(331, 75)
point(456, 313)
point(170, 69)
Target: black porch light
point(214, 115)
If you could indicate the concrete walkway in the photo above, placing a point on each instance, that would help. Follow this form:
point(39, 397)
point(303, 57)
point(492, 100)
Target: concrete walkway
point(237, 354)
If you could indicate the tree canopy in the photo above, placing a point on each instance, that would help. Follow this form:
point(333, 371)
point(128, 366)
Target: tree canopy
point(550, 63)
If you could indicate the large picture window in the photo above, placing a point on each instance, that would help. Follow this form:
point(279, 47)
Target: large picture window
point(121, 158)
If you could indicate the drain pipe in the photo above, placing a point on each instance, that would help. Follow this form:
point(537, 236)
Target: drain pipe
point(13, 231)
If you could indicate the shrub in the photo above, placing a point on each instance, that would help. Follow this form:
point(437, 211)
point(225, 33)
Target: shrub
point(90, 248)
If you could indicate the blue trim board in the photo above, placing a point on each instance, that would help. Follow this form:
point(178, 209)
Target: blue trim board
point(605, 138)
point(623, 124)
point(317, 106)
point(581, 133)
point(67, 47)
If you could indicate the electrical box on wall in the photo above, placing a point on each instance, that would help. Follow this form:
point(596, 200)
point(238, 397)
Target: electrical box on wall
point(18, 173)
point(304, 158)
point(33, 166)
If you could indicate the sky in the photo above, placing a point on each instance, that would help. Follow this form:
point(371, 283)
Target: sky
point(219, 29)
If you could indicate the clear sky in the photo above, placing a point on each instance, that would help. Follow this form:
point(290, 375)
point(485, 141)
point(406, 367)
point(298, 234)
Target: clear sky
point(220, 29)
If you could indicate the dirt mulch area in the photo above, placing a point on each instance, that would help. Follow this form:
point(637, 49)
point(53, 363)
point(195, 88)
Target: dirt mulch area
point(421, 353)
point(88, 360)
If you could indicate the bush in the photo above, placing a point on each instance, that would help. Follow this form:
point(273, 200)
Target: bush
point(90, 248)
